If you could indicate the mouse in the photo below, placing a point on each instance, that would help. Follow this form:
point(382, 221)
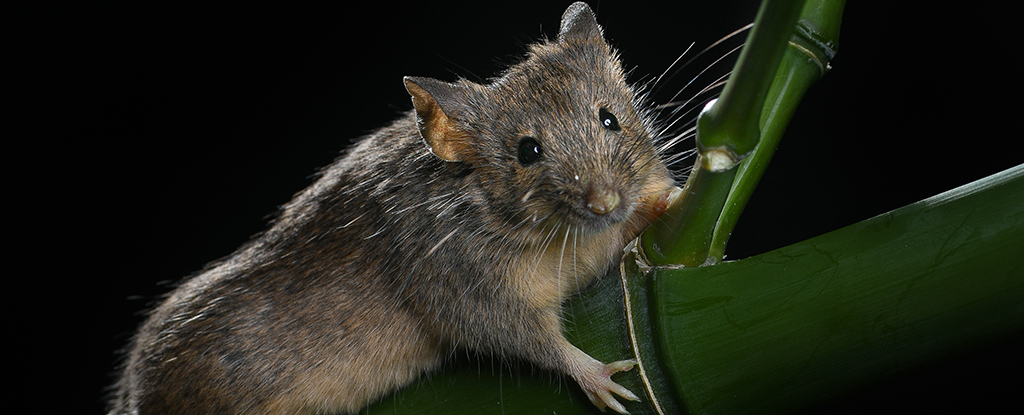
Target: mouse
point(462, 225)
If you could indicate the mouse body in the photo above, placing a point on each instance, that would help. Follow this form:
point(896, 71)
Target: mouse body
point(462, 225)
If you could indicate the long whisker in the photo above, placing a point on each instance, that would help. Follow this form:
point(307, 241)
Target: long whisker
point(707, 68)
point(545, 243)
point(575, 254)
point(561, 257)
point(716, 43)
point(680, 57)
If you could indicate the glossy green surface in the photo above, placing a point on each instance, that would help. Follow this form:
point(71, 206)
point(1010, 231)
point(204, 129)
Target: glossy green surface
point(790, 328)
point(729, 124)
point(805, 60)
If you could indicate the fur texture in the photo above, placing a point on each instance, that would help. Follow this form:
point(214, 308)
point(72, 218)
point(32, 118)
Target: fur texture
point(433, 233)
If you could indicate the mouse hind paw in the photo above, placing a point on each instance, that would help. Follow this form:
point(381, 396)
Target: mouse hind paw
point(599, 386)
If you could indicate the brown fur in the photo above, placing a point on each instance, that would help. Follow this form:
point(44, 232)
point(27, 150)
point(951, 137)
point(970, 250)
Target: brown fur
point(395, 257)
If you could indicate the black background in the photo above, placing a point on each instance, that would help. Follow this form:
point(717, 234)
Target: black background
point(146, 141)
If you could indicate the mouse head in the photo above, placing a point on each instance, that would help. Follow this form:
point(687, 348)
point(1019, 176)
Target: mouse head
point(559, 138)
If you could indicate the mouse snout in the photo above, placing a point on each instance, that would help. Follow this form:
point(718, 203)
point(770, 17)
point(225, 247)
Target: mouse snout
point(602, 200)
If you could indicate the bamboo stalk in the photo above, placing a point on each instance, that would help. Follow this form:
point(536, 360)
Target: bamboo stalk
point(776, 68)
point(788, 329)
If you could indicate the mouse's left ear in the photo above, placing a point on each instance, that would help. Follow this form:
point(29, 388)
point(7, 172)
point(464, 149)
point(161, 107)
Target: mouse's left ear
point(579, 23)
point(435, 103)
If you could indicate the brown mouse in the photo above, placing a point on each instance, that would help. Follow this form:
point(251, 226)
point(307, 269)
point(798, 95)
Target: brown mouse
point(464, 224)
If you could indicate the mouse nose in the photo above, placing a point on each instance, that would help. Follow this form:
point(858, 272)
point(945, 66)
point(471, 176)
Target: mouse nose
point(602, 200)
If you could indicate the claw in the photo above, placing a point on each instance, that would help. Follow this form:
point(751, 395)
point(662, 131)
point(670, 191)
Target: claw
point(600, 392)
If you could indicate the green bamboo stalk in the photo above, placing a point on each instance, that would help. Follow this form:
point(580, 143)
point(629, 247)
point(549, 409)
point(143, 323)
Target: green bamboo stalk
point(727, 132)
point(785, 330)
point(806, 60)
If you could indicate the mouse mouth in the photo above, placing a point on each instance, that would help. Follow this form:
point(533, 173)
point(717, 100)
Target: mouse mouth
point(588, 210)
point(600, 209)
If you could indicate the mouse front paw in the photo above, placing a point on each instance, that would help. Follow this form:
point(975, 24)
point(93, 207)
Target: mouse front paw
point(599, 386)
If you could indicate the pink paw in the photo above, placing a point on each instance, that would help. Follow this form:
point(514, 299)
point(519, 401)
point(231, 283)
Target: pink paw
point(600, 387)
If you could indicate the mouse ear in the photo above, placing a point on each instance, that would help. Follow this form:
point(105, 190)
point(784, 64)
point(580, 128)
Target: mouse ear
point(434, 101)
point(578, 22)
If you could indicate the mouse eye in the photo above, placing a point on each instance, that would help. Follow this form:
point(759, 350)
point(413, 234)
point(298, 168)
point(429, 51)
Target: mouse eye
point(608, 120)
point(529, 150)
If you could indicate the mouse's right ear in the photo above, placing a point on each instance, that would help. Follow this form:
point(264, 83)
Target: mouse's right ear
point(435, 102)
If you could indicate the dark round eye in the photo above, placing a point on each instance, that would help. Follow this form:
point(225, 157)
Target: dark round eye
point(529, 150)
point(608, 120)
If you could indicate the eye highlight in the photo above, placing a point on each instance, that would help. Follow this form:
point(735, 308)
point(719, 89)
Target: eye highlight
point(608, 119)
point(529, 151)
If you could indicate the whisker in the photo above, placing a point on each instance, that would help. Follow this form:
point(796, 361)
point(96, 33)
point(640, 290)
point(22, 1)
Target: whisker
point(561, 257)
point(712, 46)
point(707, 68)
point(679, 117)
point(542, 248)
point(678, 139)
point(680, 57)
point(575, 254)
